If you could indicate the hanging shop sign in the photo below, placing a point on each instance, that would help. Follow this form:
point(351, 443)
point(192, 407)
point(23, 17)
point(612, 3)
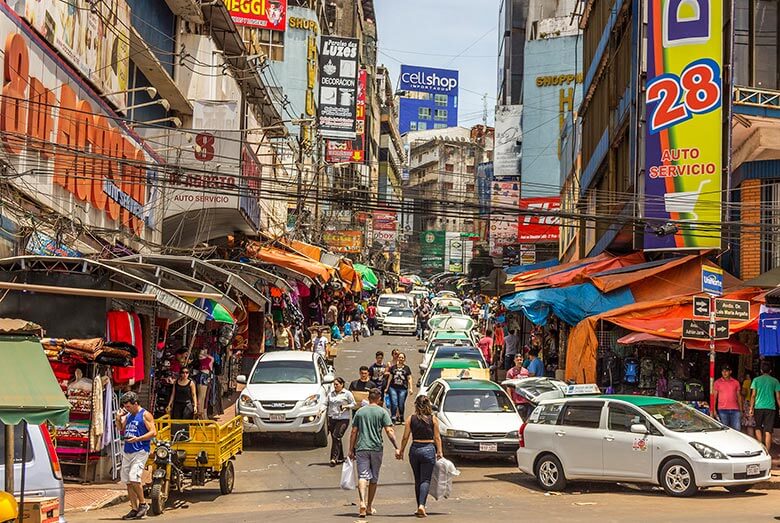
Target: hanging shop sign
point(344, 241)
point(542, 227)
point(54, 128)
point(684, 135)
point(93, 36)
point(338, 87)
point(352, 151)
point(261, 14)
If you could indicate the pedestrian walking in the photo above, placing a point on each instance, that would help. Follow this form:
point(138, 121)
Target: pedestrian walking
point(535, 365)
point(283, 339)
point(511, 348)
point(331, 314)
point(182, 404)
point(728, 400)
point(371, 315)
point(320, 344)
point(765, 396)
point(378, 370)
point(340, 403)
point(137, 428)
point(485, 345)
point(269, 340)
point(357, 322)
point(423, 428)
point(363, 383)
point(518, 371)
point(366, 448)
point(399, 385)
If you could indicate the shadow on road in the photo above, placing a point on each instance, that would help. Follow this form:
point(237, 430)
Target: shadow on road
point(281, 443)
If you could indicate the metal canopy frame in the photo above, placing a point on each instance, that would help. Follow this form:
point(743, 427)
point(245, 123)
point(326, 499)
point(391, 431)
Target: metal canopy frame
point(251, 273)
point(141, 289)
point(290, 273)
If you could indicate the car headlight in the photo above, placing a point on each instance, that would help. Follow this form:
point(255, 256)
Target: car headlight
point(707, 452)
point(512, 435)
point(457, 434)
point(246, 401)
point(161, 453)
point(311, 401)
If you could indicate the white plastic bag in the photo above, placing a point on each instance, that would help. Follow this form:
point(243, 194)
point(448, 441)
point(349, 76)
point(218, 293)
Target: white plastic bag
point(348, 475)
point(441, 481)
point(366, 332)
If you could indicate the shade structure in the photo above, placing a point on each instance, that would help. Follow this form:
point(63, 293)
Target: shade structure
point(216, 311)
point(731, 345)
point(28, 389)
point(368, 276)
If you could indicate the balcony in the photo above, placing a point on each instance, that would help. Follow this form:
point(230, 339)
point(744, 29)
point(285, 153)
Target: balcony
point(756, 133)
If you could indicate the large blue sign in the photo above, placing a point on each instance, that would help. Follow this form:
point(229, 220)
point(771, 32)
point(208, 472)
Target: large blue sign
point(429, 80)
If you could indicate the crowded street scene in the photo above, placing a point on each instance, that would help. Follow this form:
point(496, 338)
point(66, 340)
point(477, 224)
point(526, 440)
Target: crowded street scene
point(362, 260)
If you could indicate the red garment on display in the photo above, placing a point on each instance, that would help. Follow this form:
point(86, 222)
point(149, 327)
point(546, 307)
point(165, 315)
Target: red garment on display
point(126, 327)
point(138, 361)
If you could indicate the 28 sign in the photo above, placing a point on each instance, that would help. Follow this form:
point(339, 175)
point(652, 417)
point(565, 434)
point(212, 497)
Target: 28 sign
point(696, 91)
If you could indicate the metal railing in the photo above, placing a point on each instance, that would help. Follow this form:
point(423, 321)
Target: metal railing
point(756, 97)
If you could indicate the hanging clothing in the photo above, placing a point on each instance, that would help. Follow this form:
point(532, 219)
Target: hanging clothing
point(769, 334)
point(108, 411)
point(122, 326)
point(96, 427)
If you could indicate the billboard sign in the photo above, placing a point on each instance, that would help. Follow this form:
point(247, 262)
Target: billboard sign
point(344, 241)
point(429, 80)
point(484, 180)
point(537, 228)
point(351, 151)
point(260, 14)
point(432, 246)
point(385, 228)
point(684, 135)
point(506, 152)
point(338, 87)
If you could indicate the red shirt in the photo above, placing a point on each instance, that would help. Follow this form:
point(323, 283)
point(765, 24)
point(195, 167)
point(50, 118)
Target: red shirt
point(513, 373)
point(371, 311)
point(728, 393)
point(486, 346)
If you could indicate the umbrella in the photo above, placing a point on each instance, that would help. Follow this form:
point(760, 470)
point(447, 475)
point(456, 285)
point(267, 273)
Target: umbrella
point(216, 311)
point(367, 275)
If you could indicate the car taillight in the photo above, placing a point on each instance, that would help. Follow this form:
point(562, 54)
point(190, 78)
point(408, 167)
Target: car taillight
point(521, 434)
point(53, 459)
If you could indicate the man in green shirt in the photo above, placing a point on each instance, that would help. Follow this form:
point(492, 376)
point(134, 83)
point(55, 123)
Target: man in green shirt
point(764, 398)
point(366, 447)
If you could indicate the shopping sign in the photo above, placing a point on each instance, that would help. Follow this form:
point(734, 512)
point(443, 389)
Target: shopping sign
point(712, 280)
point(700, 330)
point(534, 223)
point(262, 14)
point(684, 136)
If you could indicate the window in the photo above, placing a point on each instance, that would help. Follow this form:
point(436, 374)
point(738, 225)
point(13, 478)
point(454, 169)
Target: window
point(469, 188)
point(440, 114)
point(424, 113)
point(587, 415)
point(477, 401)
point(770, 248)
point(422, 126)
point(270, 43)
point(273, 372)
point(323, 368)
point(440, 126)
point(621, 418)
point(447, 186)
point(441, 99)
point(469, 169)
point(546, 414)
point(412, 126)
point(450, 168)
point(17, 445)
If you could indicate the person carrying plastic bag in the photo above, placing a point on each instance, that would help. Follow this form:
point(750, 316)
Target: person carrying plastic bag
point(441, 481)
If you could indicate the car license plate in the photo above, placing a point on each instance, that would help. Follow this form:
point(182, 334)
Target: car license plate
point(488, 447)
point(277, 417)
point(753, 470)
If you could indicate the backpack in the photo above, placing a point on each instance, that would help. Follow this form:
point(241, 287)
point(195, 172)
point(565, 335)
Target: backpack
point(676, 389)
point(694, 390)
point(609, 370)
point(631, 371)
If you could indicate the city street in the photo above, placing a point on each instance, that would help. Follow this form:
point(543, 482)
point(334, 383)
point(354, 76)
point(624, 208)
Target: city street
point(286, 479)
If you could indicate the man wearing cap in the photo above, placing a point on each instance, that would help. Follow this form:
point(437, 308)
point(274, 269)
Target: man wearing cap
point(728, 399)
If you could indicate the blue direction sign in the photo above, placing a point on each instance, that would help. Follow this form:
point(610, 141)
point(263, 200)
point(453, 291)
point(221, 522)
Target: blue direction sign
point(712, 280)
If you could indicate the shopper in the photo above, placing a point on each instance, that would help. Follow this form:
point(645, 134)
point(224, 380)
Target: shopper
point(319, 344)
point(371, 315)
point(378, 370)
point(485, 345)
point(283, 339)
point(535, 365)
point(340, 403)
point(357, 322)
point(366, 447)
point(363, 383)
point(518, 371)
point(423, 427)
point(399, 385)
point(269, 340)
point(137, 428)
point(332, 314)
point(728, 400)
point(765, 396)
point(182, 404)
point(511, 348)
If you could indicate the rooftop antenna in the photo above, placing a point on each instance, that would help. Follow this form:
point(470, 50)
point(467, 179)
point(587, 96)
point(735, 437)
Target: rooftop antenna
point(484, 109)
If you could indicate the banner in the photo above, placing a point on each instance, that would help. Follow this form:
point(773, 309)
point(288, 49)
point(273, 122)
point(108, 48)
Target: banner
point(538, 228)
point(96, 40)
point(432, 246)
point(262, 14)
point(338, 87)
point(484, 180)
point(352, 151)
point(506, 155)
point(344, 241)
point(684, 135)
point(429, 80)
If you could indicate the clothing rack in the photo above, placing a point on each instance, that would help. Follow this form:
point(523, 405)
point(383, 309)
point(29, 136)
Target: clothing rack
point(116, 442)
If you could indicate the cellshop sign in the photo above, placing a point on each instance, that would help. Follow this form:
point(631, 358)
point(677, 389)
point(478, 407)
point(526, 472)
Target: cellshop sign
point(429, 80)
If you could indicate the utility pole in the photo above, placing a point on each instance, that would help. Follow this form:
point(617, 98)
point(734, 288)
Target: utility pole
point(484, 109)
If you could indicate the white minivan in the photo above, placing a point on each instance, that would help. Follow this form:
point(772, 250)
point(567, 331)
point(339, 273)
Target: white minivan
point(385, 302)
point(637, 439)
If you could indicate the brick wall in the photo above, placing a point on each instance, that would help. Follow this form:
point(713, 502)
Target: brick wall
point(750, 235)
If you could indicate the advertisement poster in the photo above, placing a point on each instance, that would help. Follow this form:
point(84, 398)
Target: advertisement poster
point(338, 87)
point(484, 180)
point(432, 246)
point(684, 136)
point(536, 228)
point(96, 42)
point(261, 14)
point(351, 151)
point(385, 227)
point(429, 80)
point(344, 241)
point(506, 155)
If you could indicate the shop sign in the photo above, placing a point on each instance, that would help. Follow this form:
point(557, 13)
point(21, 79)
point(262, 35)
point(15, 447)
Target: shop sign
point(432, 247)
point(81, 163)
point(684, 133)
point(352, 151)
point(43, 245)
point(338, 87)
point(506, 152)
point(429, 80)
point(175, 303)
point(304, 23)
point(344, 241)
point(732, 309)
point(712, 280)
point(311, 84)
point(701, 306)
point(537, 228)
point(260, 14)
point(700, 330)
point(93, 36)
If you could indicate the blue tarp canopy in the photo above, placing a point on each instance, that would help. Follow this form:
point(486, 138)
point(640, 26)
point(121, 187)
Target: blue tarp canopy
point(519, 269)
point(571, 304)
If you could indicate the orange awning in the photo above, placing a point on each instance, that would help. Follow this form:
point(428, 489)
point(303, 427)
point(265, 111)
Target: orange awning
point(312, 251)
point(574, 273)
point(350, 276)
point(306, 266)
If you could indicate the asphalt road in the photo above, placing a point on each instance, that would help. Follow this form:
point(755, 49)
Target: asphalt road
point(287, 479)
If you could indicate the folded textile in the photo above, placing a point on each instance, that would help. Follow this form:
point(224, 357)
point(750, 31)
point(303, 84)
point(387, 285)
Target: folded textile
point(88, 345)
point(122, 346)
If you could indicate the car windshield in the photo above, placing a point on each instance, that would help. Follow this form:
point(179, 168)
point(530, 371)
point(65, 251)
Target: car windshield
point(680, 418)
point(471, 353)
point(270, 372)
point(392, 302)
point(400, 313)
point(477, 401)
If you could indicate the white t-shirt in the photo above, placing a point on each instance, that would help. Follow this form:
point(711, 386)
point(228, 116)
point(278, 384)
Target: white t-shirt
point(320, 345)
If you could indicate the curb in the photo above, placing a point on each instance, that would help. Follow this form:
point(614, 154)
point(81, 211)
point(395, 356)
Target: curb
point(116, 500)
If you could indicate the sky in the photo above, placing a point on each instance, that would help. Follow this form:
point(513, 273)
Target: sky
point(449, 34)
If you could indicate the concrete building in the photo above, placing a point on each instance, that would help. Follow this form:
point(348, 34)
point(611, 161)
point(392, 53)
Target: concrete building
point(512, 22)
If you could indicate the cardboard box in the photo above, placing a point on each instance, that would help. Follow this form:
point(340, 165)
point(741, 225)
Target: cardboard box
point(359, 397)
point(476, 374)
point(41, 510)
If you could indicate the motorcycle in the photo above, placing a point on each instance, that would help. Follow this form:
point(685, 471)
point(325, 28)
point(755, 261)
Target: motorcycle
point(167, 475)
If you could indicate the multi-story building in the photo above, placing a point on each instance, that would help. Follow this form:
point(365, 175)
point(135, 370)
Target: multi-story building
point(512, 22)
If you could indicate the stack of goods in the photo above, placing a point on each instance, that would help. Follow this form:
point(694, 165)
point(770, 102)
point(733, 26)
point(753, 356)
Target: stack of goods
point(73, 442)
point(116, 354)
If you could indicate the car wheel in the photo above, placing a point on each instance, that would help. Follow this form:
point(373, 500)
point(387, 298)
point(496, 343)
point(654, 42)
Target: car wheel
point(549, 473)
point(321, 438)
point(739, 489)
point(677, 478)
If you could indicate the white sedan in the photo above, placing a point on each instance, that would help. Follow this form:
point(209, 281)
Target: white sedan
point(637, 439)
point(401, 321)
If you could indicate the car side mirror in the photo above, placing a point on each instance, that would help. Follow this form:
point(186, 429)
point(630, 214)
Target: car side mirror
point(419, 382)
point(421, 349)
point(241, 379)
point(328, 379)
point(638, 428)
point(435, 408)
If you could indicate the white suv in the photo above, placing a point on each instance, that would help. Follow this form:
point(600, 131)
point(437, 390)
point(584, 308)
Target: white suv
point(637, 439)
point(287, 392)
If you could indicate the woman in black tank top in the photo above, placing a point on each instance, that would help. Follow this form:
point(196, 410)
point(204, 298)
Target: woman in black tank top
point(423, 428)
point(182, 404)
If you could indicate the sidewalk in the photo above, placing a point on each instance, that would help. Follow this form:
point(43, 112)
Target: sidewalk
point(81, 498)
